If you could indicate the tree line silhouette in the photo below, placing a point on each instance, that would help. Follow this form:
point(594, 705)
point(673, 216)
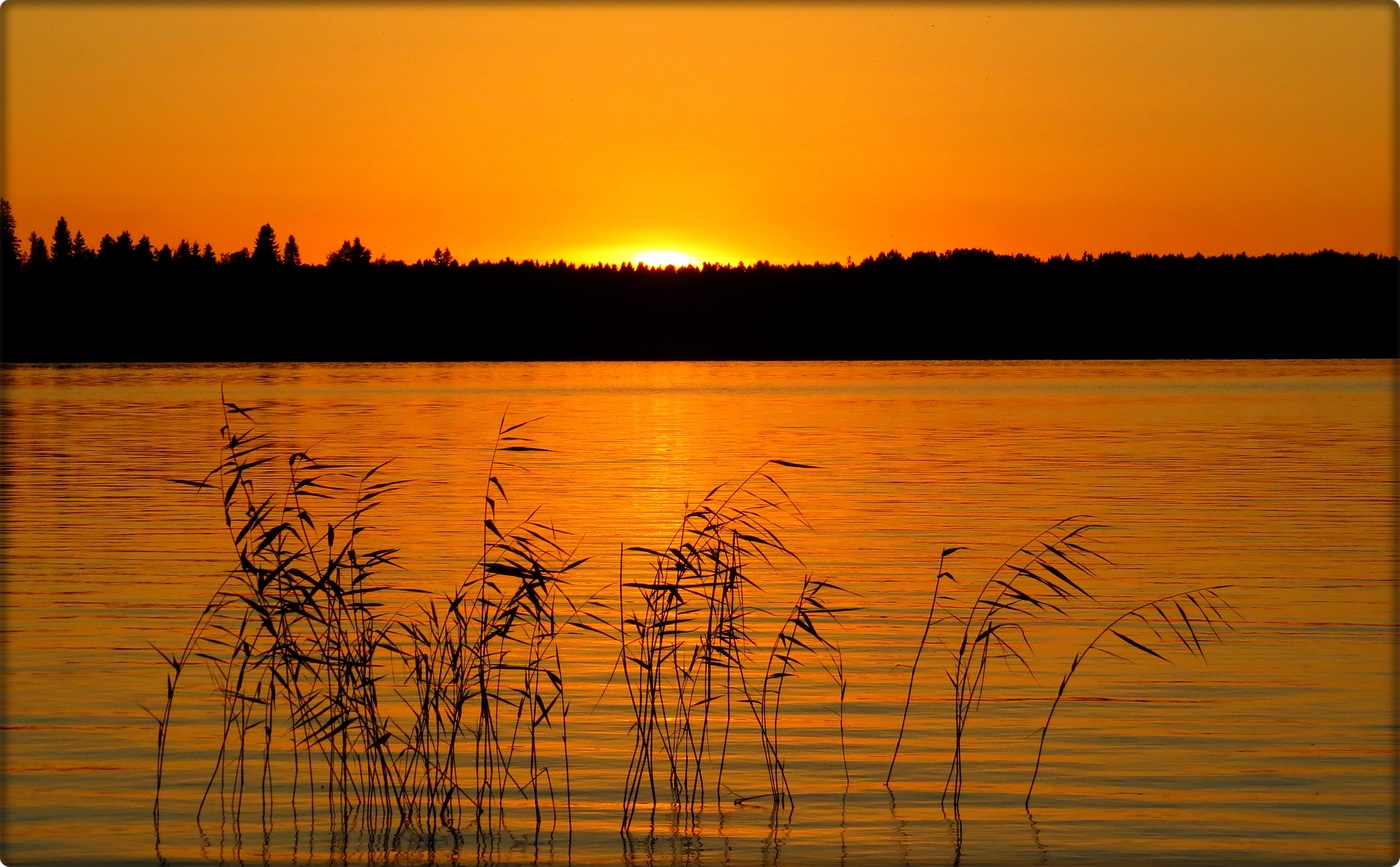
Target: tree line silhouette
point(127, 301)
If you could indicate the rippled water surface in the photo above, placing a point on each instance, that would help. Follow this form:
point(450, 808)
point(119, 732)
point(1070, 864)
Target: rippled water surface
point(1275, 478)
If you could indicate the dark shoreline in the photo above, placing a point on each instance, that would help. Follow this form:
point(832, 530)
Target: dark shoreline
point(961, 305)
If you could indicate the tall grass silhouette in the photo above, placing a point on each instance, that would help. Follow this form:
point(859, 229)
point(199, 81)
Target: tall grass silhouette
point(1169, 620)
point(289, 639)
point(298, 649)
point(449, 714)
point(687, 650)
point(484, 681)
point(1039, 578)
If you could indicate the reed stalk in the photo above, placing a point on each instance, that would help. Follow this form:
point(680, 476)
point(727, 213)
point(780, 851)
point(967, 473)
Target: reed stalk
point(784, 662)
point(296, 647)
point(290, 635)
point(914, 668)
point(485, 674)
point(1034, 579)
point(684, 644)
point(1167, 613)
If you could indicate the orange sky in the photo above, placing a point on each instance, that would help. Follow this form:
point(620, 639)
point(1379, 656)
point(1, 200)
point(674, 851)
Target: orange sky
point(726, 132)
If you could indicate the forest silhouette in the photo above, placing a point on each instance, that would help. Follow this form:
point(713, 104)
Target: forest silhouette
point(63, 300)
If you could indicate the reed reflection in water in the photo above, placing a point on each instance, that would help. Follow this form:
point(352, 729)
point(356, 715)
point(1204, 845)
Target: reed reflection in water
point(1276, 478)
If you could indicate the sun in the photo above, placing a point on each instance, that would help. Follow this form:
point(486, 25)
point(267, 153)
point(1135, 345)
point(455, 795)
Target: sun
point(662, 258)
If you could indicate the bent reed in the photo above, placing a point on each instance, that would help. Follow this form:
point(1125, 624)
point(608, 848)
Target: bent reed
point(303, 659)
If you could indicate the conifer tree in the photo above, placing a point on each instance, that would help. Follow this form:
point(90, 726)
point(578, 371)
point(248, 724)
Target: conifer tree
point(62, 242)
point(38, 251)
point(9, 240)
point(291, 253)
point(81, 253)
point(349, 254)
point(265, 252)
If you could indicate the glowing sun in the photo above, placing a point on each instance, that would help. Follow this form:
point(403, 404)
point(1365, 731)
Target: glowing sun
point(662, 258)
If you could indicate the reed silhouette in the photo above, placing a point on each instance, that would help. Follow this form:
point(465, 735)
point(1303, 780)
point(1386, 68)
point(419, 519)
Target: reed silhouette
point(303, 653)
point(687, 649)
point(297, 645)
point(1165, 616)
point(289, 638)
point(1036, 580)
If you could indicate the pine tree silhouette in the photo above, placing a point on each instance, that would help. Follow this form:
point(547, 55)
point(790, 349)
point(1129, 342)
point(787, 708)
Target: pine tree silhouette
point(38, 252)
point(62, 242)
point(265, 252)
point(349, 254)
point(9, 241)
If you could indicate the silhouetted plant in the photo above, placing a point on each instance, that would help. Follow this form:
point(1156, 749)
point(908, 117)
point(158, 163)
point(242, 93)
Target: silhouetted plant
point(484, 675)
point(1169, 621)
point(38, 253)
point(119, 252)
point(236, 259)
point(442, 258)
point(10, 259)
point(802, 633)
point(62, 242)
point(297, 650)
point(290, 636)
point(686, 646)
point(1035, 580)
point(349, 255)
point(265, 251)
point(1017, 587)
point(296, 647)
point(81, 252)
point(918, 654)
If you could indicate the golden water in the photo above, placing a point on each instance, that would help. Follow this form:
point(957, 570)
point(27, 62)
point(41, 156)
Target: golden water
point(1277, 478)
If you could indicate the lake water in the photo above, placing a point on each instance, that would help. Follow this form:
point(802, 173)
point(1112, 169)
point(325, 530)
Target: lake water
point(1275, 478)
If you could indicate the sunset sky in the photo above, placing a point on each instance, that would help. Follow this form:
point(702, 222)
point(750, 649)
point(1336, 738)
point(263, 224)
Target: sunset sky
point(721, 132)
